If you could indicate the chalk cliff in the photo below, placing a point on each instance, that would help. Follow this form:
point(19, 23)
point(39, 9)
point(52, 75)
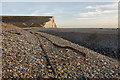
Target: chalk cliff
point(50, 23)
point(30, 21)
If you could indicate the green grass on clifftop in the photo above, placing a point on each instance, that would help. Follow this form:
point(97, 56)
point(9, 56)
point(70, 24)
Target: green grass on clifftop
point(26, 21)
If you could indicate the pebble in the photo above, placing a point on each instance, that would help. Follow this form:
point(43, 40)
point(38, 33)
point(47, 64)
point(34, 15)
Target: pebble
point(26, 58)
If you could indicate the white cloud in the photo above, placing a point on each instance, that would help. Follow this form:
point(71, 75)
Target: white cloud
point(44, 12)
point(84, 18)
point(97, 12)
point(35, 13)
point(113, 5)
point(47, 13)
point(55, 11)
point(111, 8)
point(14, 10)
point(110, 11)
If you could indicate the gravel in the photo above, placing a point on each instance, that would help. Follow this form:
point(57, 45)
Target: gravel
point(27, 54)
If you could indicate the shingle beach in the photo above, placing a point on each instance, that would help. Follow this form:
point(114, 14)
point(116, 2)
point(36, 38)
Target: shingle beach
point(29, 54)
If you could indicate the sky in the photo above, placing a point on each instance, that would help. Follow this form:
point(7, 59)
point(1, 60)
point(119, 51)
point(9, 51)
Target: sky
point(59, 0)
point(68, 14)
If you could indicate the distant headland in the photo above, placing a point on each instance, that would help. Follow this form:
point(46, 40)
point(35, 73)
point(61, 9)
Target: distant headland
point(30, 21)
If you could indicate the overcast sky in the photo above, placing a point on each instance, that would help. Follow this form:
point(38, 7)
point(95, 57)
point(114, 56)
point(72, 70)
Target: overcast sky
point(68, 14)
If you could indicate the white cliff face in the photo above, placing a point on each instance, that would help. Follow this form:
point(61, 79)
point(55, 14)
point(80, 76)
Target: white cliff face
point(50, 23)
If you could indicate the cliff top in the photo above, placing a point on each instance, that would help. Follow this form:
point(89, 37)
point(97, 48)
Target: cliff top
point(26, 21)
